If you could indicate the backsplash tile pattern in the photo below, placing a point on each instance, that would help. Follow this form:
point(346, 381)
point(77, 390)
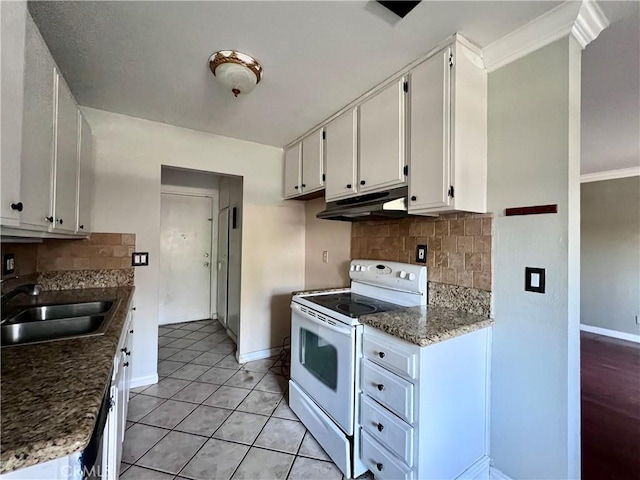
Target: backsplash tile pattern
point(458, 245)
point(101, 251)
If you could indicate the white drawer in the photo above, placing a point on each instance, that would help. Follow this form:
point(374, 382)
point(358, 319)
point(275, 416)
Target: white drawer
point(382, 464)
point(391, 353)
point(389, 389)
point(388, 429)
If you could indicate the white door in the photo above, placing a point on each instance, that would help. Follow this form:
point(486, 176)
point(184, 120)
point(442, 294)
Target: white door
point(185, 258)
point(382, 139)
point(312, 162)
point(341, 150)
point(223, 265)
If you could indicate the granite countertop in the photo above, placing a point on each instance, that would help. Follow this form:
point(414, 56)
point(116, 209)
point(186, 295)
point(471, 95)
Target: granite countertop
point(426, 325)
point(51, 392)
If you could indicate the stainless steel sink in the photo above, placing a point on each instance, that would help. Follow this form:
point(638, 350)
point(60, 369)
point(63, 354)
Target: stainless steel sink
point(56, 322)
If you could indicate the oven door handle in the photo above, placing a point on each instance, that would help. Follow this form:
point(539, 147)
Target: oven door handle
point(345, 330)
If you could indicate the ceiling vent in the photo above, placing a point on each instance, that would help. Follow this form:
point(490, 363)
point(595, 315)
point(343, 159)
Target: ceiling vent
point(400, 8)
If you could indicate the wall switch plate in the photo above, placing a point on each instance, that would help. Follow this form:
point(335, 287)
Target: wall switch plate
point(325, 256)
point(534, 279)
point(8, 264)
point(139, 259)
point(421, 254)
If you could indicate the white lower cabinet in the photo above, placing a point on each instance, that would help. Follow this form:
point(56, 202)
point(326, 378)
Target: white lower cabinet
point(423, 410)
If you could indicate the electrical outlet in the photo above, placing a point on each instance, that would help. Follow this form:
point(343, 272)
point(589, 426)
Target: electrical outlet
point(534, 279)
point(8, 264)
point(325, 256)
point(139, 259)
point(421, 254)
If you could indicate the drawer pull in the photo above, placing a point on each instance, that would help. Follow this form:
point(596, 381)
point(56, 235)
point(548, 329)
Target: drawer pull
point(379, 466)
point(380, 427)
point(125, 364)
point(381, 354)
point(380, 387)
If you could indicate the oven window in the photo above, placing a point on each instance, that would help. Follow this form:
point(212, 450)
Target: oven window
point(319, 357)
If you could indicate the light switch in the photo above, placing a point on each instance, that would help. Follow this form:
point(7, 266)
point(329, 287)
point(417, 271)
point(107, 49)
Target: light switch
point(9, 264)
point(421, 254)
point(534, 279)
point(139, 259)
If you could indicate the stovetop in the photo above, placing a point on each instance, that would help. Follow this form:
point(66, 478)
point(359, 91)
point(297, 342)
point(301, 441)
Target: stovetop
point(352, 304)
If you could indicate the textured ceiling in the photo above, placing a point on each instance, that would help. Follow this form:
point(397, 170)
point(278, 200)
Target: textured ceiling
point(149, 60)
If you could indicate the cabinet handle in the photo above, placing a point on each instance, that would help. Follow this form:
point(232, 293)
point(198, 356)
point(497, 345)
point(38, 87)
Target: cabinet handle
point(303, 185)
point(133, 308)
point(296, 187)
point(380, 387)
point(49, 219)
point(17, 206)
point(125, 364)
point(60, 221)
point(128, 353)
point(348, 185)
point(123, 350)
point(380, 427)
point(81, 227)
point(362, 182)
point(381, 354)
point(131, 331)
point(413, 198)
point(379, 466)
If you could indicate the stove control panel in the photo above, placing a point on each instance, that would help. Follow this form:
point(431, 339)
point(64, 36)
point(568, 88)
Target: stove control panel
point(393, 275)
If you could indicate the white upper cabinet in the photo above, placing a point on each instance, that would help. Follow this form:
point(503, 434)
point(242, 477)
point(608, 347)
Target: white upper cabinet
point(85, 176)
point(448, 164)
point(304, 166)
point(40, 83)
point(292, 178)
point(382, 139)
point(313, 162)
point(12, 45)
point(66, 160)
point(341, 148)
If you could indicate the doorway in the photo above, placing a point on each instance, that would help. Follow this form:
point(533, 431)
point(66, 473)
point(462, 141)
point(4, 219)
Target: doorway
point(185, 257)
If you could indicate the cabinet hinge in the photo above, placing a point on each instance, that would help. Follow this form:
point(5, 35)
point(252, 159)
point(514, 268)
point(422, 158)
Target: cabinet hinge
point(450, 192)
point(406, 170)
point(324, 135)
point(323, 177)
point(405, 86)
point(451, 60)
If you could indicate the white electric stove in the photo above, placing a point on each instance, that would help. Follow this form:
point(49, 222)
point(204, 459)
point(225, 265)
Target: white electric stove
point(326, 347)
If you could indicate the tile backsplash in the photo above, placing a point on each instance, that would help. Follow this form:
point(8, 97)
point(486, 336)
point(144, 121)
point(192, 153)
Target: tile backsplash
point(458, 245)
point(103, 259)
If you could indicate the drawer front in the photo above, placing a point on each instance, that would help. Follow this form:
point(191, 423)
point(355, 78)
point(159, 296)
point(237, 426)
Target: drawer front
point(391, 354)
point(388, 429)
point(382, 463)
point(389, 389)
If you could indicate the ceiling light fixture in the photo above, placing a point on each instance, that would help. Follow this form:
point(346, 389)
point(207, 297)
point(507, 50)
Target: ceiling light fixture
point(238, 71)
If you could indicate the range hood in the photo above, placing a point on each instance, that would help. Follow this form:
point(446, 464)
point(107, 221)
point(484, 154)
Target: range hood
point(371, 206)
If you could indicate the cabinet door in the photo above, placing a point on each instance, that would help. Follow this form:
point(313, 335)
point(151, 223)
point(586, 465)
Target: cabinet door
point(40, 83)
point(66, 162)
point(430, 133)
point(292, 159)
point(85, 176)
point(382, 139)
point(341, 148)
point(313, 162)
point(12, 46)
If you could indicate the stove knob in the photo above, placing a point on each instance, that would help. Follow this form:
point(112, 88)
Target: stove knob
point(403, 274)
point(412, 276)
point(352, 268)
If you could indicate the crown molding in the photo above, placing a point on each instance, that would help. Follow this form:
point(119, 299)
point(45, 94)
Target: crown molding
point(610, 175)
point(583, 20)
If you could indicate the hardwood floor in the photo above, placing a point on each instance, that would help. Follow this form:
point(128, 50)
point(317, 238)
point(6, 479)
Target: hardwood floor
point(610, 374)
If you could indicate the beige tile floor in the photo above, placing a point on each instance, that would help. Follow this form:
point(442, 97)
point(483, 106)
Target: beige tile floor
point(210, 418)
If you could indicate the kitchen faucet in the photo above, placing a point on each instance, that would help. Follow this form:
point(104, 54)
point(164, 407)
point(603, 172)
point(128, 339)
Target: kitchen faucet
point(27, 289)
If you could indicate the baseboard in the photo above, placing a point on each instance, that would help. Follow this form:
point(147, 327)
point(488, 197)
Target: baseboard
point(258, 355)
point(479, 470)
point(630, 337)
point(144, 381)
point(495, 474)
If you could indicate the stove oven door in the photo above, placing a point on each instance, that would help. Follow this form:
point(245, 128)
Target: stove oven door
point(323, 362)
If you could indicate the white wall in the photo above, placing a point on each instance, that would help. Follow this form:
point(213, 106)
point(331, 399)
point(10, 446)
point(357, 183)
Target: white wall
point(611, 254)
point(129, 154)
point(534, 130)
point(326, 235)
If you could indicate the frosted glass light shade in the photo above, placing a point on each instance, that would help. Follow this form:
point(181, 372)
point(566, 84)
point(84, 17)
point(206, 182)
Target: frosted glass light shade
point(239, 72)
